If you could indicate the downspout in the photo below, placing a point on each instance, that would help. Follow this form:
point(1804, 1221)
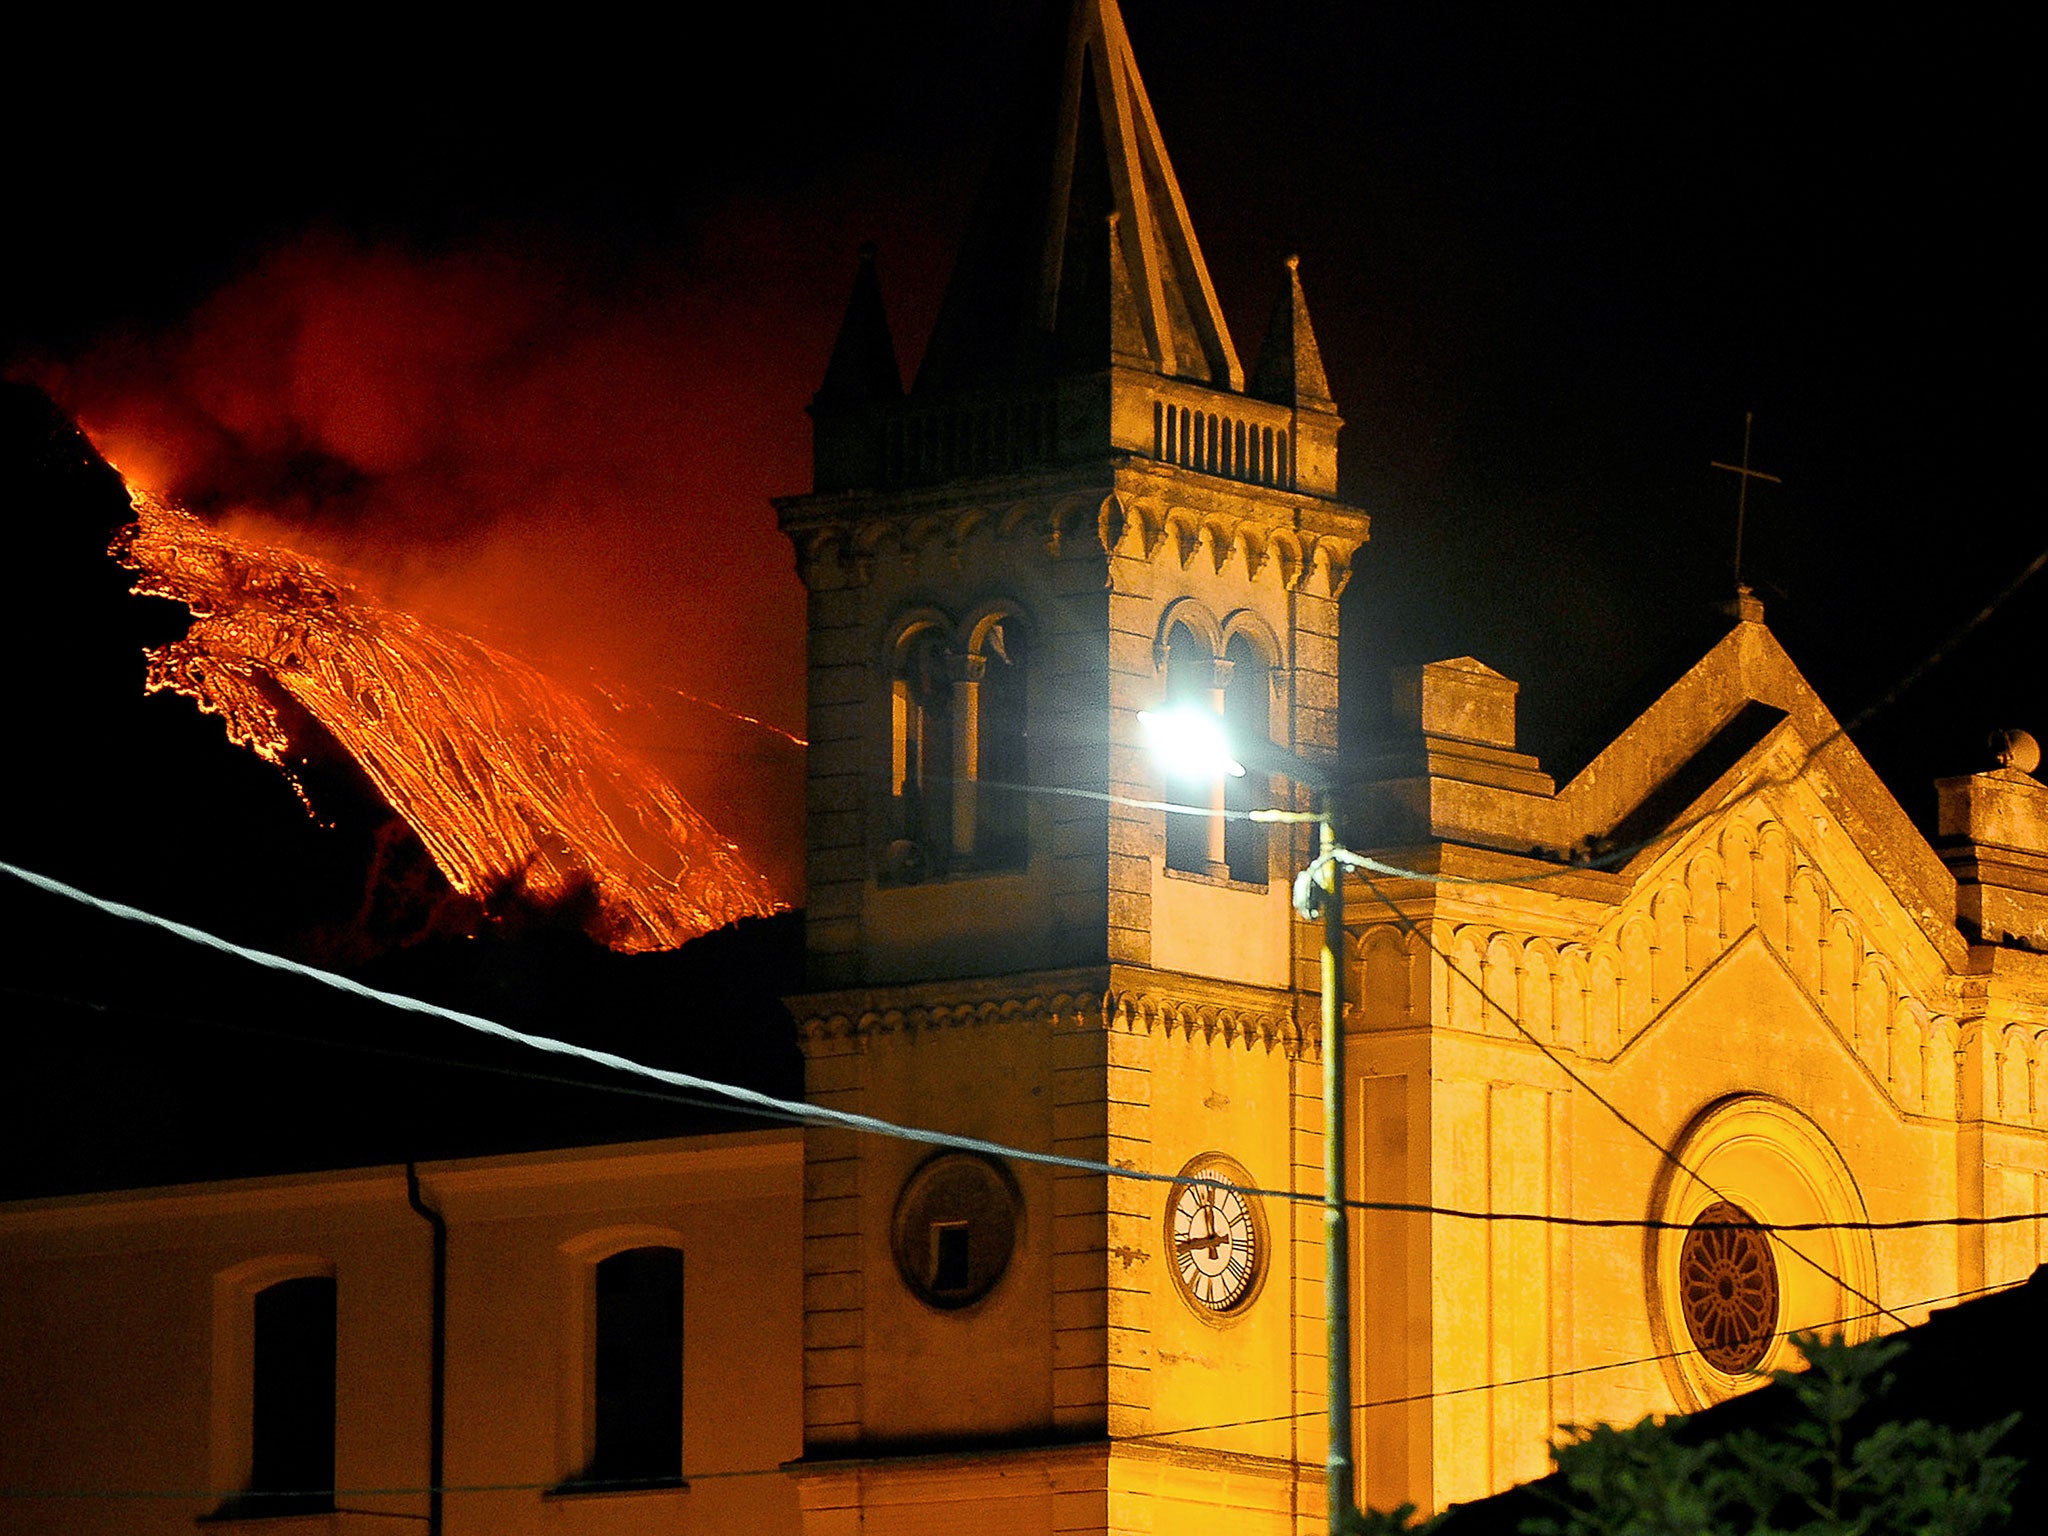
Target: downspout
point(437, 1370)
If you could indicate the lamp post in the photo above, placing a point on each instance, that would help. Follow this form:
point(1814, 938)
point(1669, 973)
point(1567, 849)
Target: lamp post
point(1191, 744)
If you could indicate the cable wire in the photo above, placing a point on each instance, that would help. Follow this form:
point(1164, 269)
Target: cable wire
point(1753, 1376)
point(1594, 856)
point(1410, 927)
point(715, 1095)
point(784, 1468)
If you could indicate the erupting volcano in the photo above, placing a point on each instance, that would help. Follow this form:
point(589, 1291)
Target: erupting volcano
point(510, 781)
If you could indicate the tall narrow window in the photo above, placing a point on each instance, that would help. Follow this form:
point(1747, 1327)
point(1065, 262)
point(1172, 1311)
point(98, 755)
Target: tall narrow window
point(1001, 805)
point(921, 751)
point(638, 1371)
point(1247, 717)
point(291, 1441)
point(1193, 843)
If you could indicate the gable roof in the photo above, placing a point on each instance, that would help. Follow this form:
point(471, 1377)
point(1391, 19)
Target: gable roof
point(1740, 720)
point(1743, 699)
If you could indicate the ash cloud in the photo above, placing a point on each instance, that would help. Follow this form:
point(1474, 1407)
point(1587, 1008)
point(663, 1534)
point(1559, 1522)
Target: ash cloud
point(567, 453)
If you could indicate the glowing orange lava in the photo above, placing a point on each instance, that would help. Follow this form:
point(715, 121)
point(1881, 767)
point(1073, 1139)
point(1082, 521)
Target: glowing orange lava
point(507, 778)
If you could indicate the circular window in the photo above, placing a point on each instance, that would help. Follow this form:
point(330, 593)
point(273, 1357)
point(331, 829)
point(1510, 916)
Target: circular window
point(1724, 1292)
point(1728, 1288)
point(955, 1228)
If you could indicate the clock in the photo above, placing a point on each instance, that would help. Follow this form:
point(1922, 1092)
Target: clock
point(1216, 1236)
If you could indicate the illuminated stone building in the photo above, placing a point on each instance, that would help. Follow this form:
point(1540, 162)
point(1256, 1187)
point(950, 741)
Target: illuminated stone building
point(1716, 975)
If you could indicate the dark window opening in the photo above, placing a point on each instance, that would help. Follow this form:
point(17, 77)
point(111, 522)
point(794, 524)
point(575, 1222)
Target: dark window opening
point(921, 767)
point(1248, 718)
point(950, 1269)
point(639, 1372)
point(959, 754)
point(1190, 684)
point(1001, 804)
point(291, 1429)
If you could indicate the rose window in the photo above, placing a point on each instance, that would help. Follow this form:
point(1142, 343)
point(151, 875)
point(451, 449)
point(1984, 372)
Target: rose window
point(1728, 1288)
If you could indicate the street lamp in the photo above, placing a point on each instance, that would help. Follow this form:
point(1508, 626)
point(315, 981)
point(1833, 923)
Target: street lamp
point(1191, 743)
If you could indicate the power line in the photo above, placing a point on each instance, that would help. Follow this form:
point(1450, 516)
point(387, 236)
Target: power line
point(784, 1469)
point(708, 1093)
point(1607, 1365)
point(1410, 927)
point(1603, 858)
point(1943, 651)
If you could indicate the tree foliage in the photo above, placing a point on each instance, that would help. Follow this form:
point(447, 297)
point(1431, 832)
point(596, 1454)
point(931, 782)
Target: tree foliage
point(1816, 1477)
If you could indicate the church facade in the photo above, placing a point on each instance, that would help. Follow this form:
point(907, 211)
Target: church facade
point(1640, 1067)
point(1718, 982)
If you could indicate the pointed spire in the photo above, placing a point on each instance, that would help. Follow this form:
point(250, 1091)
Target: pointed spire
point(1290, 366)
point(863, 369)
point(861, 381)
point(1100, 154)
point(1097, 322)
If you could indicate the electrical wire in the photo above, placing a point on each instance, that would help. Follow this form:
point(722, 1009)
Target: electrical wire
point(1592, 856)
point(785, 1469)
point(1414, 930)
point(1754, 1377)
point(714, 1095)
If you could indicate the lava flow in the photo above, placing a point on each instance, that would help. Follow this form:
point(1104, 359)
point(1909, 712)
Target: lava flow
point(509, 781)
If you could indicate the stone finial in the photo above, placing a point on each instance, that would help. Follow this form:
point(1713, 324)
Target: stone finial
point(1290, 366)
point(861, 381)
point(2016, 750)
point(863, 368)
point(1993, 835)
point(1745, 607)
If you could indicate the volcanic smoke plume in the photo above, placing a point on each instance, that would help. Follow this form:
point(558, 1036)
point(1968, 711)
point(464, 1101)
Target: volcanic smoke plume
point(508, 779)
point(564, 452)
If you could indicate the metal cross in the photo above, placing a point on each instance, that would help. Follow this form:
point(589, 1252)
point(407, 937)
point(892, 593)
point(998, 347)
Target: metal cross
point(1742, 492)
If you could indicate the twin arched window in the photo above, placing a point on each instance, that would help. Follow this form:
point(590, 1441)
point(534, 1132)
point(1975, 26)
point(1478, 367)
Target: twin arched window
point(1228, 670)
point(957, 757)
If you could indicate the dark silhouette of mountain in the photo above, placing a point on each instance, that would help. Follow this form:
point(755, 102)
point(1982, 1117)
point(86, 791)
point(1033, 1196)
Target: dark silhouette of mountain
point(135, 796)
point(141, 1058)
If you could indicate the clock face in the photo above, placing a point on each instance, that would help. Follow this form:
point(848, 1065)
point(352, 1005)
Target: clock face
point(1215, 1236)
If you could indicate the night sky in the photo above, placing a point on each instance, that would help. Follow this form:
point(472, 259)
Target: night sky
point(524, 324)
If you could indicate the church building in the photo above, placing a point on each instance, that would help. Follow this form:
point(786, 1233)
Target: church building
point(1717, 978)
point(1645, 1072)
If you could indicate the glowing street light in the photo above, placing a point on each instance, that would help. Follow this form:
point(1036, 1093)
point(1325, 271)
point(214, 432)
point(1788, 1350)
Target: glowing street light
point(1192, 744)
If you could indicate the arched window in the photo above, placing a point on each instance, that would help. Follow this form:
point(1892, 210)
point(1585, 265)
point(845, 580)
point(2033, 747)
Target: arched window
point(1247, 718)
point(636, 1372)
point(959, 749)
point(1194, 844)
point(1000, 766)
point(921, 751)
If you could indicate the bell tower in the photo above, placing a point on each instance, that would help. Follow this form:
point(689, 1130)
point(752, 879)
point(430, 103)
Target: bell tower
point(1081, 508)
